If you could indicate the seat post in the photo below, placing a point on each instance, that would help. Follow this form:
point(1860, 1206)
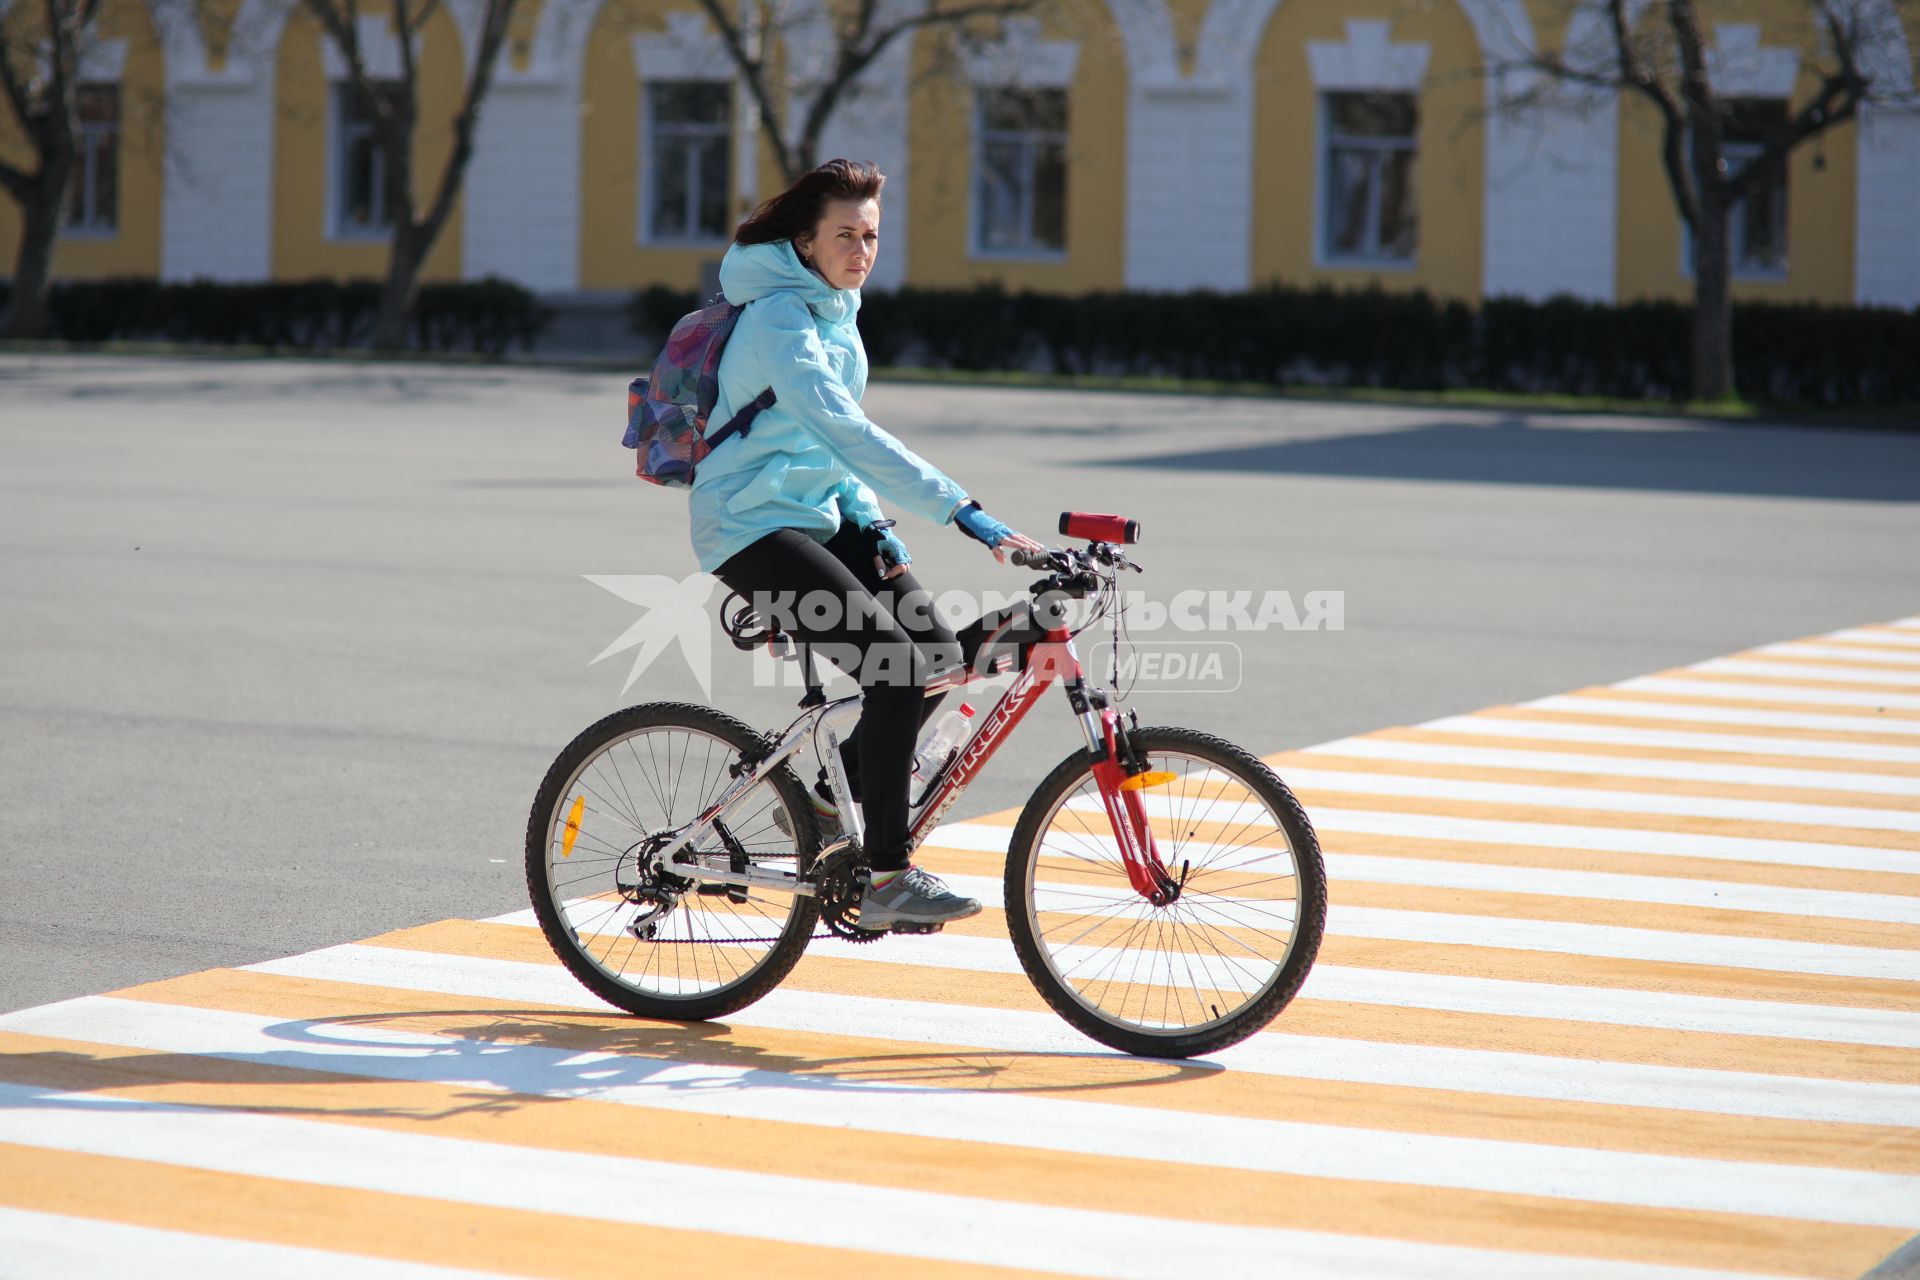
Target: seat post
point(815, 695)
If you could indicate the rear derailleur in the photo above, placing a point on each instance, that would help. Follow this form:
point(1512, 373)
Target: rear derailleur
point(640, 881)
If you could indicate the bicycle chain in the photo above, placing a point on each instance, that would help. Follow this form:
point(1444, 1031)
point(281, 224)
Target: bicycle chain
point(838, 887)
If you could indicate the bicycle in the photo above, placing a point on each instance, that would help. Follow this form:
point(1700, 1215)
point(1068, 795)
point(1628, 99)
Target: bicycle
point(663, 875)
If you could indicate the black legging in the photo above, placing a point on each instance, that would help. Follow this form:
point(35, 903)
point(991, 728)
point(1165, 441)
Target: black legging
point(885, 635)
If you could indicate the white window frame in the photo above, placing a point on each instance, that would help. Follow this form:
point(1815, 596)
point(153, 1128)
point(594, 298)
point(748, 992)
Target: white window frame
point(1740, 67)
point(1735, 154)
point(338, 92)
point(649, 154)
point(1324, 254)
point(1031, 140)
point(86, 173)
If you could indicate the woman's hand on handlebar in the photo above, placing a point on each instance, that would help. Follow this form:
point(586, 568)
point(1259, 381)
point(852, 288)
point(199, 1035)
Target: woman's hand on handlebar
point(1015, 542)
point(981, 527)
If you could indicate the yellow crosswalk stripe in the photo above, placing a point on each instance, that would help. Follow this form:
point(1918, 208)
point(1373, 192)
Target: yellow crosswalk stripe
point(1616, 983)
point(423, 1228)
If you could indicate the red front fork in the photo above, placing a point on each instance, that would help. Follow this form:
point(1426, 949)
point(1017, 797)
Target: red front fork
point(1128, 813)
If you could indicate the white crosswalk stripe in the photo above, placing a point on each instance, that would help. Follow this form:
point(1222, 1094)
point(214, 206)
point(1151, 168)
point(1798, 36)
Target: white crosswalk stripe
point(1494, 725)
point(1614, 766)
point(1708, 712)
point(1807, 673)
point(1758, 692)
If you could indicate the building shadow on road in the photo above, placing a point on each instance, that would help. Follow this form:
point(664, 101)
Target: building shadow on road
point(1691, 457)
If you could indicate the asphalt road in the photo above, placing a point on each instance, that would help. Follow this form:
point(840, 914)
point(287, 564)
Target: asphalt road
point(285, 647)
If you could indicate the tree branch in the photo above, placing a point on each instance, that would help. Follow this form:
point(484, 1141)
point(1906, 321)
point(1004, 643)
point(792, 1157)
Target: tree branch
point(403, 28)
point(849, 61)
point(493, 34)
point(853, 56)
point(1842, 90)
point(753, 70)
point(17, 96)
point(61, 61)
point(344, 30)
point(935, 16)
point(18, 182)
point(1673, 158)
point(1674, 113)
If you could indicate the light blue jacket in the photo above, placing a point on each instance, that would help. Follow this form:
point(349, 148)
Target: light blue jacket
point(813, 458)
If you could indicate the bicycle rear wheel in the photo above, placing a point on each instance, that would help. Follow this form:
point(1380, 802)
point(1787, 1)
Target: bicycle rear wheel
point(1210, 968)
point(658, 945)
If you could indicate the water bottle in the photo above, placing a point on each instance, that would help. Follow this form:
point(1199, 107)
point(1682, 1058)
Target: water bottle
point(942, 740)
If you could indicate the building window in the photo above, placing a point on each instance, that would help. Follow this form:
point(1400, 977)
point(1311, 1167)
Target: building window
point(690, 144)
point(1757, 225)
point(1372, 211)
point(359, 165)
point(1020, 189)
point(93, 198)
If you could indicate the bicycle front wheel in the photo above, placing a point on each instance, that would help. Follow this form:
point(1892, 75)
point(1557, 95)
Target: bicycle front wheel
point(661, 946)
point(1208, 969)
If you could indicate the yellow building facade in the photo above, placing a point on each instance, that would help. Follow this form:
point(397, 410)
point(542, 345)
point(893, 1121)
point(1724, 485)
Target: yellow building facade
point(1089, 145)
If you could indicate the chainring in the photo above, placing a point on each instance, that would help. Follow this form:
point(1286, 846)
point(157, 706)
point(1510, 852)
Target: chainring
point(839, 883)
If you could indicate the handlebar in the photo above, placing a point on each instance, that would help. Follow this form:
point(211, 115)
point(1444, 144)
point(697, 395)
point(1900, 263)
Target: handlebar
point(1104, 532)
point(1035, 559)
point(1072, 559)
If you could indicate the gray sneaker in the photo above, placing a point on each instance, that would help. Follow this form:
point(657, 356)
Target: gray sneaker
point(913, 898)
point(826, 816)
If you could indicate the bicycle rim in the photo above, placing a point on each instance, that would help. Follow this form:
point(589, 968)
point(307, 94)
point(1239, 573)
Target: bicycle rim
point(1199, 964)
point(664, 941)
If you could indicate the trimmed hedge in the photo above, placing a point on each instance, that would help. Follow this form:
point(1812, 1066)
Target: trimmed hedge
point(486, 316)
point(1798, 354)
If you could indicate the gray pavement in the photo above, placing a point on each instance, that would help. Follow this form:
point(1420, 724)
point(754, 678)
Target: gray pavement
point(285, 647)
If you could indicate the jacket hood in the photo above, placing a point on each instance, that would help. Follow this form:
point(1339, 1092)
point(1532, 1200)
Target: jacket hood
point(753, 271)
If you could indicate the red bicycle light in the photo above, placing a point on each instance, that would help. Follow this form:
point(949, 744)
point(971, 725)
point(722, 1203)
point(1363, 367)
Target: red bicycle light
point(1095, 527)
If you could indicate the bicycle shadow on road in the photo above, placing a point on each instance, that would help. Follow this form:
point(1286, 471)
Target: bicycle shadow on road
point(474, 1061)
point(759, 1053)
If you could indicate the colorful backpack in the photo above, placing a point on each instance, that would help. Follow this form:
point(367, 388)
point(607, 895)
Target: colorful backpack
point(667, 413)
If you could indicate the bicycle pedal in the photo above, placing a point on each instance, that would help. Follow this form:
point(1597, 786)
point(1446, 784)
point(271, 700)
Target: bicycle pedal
point(907, 926)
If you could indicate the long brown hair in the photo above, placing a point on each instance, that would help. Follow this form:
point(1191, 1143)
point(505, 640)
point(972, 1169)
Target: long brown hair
point(797, 211)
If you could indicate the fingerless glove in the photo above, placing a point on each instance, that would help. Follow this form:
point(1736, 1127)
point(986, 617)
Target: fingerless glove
point(886, 544)
point(980, 526)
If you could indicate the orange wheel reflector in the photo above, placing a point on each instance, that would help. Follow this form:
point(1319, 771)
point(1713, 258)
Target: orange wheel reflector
point(1151, 778)
point(573, 826)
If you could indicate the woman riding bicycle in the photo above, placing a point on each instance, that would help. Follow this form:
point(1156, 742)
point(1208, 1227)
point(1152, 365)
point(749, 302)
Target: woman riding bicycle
point(787, 514)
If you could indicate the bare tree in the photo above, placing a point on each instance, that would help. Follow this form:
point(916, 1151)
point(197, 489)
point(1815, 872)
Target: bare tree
point(1659, 52)
point(393, 107)
point(795, 117)
point(40, 73)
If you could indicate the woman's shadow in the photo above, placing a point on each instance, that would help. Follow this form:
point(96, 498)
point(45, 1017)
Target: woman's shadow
point(502, 1061)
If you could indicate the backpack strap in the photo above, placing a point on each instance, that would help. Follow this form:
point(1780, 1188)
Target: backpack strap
point(742, 422)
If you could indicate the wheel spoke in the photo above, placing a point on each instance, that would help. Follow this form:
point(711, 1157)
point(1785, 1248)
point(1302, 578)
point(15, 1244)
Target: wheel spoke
point(1202, 961)
point(646, 784)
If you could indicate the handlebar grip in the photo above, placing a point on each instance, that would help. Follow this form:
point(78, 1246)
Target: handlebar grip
point(1033, 559)
point(1095, 527)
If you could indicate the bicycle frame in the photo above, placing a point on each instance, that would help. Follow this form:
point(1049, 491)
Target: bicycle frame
point(1052, 659)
